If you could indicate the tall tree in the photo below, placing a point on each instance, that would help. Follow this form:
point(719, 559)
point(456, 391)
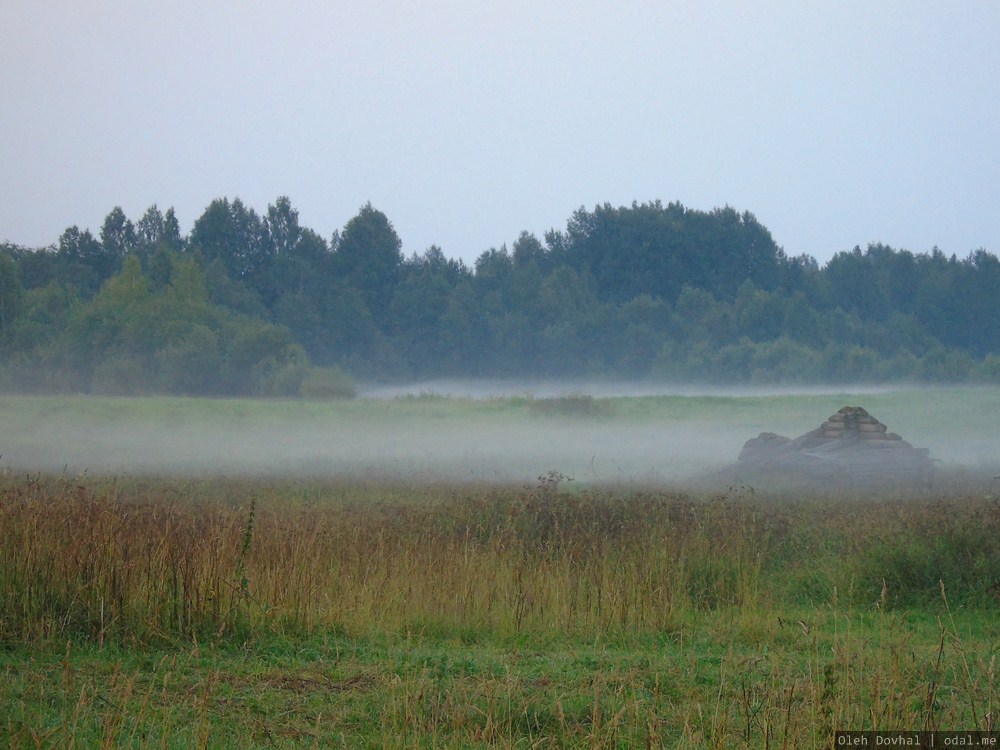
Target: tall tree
point(658, 250)
point(156, 232)
point(419, 303)
point(297, 254)
point(149, 231)
point(10, 295)
point(171, 236)
point(83, 260)
point(117, 237)
point(234, 235)
point(369, 256)
point(527, 249)
point(283, 226)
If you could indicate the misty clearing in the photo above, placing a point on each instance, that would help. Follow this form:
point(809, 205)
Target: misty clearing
point(492, 567)
point(505, 436)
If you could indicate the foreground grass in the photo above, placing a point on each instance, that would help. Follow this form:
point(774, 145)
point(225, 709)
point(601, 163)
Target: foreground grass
point(726, 680)
point(252, 614)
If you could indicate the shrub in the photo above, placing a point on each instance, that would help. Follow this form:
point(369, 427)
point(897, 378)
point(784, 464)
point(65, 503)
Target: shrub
point(120, 375)
point(942, 365)
point(284, 380)
point(192, 366)
point(327, 383)
point(987, 371)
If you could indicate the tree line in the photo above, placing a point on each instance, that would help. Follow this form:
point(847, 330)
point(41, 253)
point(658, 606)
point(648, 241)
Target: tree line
point(257, 304)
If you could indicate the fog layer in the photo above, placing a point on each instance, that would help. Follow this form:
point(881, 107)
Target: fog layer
point(421, 450)
point(658, 440)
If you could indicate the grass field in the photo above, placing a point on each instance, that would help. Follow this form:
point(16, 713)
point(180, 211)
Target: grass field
point(263, 609)
point(655, 439)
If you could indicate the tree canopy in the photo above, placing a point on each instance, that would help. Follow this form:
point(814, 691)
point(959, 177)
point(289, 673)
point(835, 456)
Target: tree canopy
point(252, 303)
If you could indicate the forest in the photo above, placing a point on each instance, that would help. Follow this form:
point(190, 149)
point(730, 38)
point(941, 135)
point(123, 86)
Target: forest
point(255, 304)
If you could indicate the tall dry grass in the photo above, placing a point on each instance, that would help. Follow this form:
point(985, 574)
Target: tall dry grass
point(135, 561)
point(140, 561)
point(743, 620)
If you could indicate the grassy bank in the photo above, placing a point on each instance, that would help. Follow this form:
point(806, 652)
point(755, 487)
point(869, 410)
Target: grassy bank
point(240, 613)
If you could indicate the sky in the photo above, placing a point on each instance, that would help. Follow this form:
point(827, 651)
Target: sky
point(836, 123)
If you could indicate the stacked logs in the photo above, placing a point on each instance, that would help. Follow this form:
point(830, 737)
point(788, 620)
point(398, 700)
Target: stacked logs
point(853, 422)
point(851, 446)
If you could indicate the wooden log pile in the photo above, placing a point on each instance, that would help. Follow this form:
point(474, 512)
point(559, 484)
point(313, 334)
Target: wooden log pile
point(850, 447)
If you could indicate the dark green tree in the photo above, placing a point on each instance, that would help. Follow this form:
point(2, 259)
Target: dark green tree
point(11, 296)
point(658, 250)
point(235, 236)
point(420, 303)
point(301, 260)
point(82, 261)
point(118, 237)
point(35, 268)
point(283, 226)
point(369, 257)
point(527, 250)
point(980, 324)
point(156, 232)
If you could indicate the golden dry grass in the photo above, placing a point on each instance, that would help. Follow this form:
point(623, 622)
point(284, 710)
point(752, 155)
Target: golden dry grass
point(459, 616)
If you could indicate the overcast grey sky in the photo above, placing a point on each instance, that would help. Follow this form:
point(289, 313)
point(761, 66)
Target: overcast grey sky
point(836, 123)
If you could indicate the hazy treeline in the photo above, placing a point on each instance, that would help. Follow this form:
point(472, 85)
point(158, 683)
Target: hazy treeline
point(252, 303)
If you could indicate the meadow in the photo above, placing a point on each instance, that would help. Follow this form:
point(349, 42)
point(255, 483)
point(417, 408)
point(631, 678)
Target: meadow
point(146, 608)
point(665, 439)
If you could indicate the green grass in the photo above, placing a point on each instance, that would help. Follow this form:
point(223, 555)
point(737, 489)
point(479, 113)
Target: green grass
point(926, 411)
point(665, 439)
point(282, 613)
point(725, 680)
point(287, 609)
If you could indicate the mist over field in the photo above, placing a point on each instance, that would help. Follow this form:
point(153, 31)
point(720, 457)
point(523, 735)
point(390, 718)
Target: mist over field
point(508, 388)
point(423, 447)
point(473, 431)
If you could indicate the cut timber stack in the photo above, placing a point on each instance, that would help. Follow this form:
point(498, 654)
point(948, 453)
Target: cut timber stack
point(850, 423)
point(851, 447)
